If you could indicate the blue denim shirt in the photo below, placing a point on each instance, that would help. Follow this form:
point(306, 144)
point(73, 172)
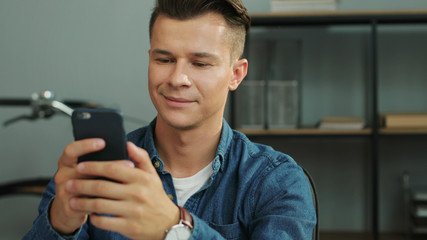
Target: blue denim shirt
point(254, 192)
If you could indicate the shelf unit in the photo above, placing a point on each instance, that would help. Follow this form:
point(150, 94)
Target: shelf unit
point(306, 131)
point(372, 19)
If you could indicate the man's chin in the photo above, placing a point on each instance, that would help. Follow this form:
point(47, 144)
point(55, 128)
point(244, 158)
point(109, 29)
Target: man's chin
point(180, 123)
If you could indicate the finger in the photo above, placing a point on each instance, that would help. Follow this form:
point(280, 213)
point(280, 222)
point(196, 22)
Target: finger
point(115, 170)
point(99, 206)
point(78, 148)
point(65, 220)
point(96, 188)
point(140, 157)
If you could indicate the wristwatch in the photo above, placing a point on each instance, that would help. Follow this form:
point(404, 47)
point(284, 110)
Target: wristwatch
point(184, 229)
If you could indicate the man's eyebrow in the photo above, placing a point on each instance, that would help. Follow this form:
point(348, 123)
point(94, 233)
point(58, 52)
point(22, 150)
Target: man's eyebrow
point(205, 55)
point(196, 54)
point(161, 51)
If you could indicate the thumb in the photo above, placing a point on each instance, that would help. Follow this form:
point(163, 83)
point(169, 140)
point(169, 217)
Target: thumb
point(140, 157)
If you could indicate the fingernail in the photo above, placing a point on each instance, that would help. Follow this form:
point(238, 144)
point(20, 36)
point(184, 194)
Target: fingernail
point(69, 185)
point(80, 167)
point(132, 145)
point(73, 203)
point(128, 164)
point(99, 143)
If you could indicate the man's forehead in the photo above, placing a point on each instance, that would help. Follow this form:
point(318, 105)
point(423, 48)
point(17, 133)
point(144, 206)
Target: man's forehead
point(204, 34)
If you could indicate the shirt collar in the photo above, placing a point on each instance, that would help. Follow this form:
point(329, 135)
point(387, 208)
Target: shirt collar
point(218, 163)
point(224, 143)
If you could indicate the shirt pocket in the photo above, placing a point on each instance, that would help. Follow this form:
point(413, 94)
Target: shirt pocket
point(229, 231)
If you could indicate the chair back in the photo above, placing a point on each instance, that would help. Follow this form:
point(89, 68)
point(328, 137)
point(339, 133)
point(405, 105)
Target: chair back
point(315, 203)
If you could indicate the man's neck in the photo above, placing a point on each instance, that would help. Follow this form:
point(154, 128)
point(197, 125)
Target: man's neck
point(186, 152)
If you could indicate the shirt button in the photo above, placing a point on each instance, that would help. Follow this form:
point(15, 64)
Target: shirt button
point(157, 164)
point(170, 196)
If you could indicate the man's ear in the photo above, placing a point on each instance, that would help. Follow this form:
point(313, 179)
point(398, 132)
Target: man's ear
point(240, 69)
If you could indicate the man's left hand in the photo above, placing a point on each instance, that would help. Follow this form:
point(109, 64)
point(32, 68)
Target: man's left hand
point(135, 198)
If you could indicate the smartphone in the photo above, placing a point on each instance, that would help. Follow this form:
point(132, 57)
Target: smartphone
point(101, 123)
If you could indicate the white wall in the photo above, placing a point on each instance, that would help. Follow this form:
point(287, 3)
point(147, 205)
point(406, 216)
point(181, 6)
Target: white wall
point(83, 50)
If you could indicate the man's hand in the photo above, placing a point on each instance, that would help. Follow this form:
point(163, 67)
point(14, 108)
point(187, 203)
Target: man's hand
point(135, 198)
point(63, 218)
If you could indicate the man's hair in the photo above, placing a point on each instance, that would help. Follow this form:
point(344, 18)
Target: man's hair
point(233, 11)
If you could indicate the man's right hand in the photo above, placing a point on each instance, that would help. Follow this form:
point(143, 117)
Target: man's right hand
point(64, 219)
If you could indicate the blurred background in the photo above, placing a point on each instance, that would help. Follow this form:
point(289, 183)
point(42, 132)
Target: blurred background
point(96, 50)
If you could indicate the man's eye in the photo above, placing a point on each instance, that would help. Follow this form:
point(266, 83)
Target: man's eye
point(163, 60)
point(200, 64)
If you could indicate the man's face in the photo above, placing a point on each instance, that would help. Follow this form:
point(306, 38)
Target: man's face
point(190, 70)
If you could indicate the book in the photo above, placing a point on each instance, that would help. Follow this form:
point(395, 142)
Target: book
point(404, 120)
point(342, 123)
point(420, 210)
point(419, 196)
point(303, 5)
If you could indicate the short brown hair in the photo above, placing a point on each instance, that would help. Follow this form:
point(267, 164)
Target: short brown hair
point(234, 12)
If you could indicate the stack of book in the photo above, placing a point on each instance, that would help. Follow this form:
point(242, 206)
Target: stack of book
point(419, 211)
point(404, 120)
point(342, 123)
point(303, 5)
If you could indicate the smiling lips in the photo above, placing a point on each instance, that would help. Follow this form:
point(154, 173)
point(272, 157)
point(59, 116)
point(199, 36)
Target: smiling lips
point(178, 102)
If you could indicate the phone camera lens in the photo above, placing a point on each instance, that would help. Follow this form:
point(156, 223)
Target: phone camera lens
point(84, 115)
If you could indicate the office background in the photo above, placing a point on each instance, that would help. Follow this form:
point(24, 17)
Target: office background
point(97, 51)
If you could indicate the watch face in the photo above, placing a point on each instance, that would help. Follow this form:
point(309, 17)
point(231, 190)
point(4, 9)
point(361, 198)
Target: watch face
point(178, 232)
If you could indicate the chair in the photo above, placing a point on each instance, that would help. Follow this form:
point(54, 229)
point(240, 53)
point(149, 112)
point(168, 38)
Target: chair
point(315, 203)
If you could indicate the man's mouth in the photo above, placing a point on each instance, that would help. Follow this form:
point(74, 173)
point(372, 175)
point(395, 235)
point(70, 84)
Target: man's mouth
point(174, 99)
point(177, 101)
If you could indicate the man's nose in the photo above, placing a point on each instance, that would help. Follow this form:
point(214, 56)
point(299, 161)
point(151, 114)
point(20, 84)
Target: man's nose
point(180, 76)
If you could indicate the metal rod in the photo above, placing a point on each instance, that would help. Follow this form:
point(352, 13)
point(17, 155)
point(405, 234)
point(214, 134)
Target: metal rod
point(375, 136)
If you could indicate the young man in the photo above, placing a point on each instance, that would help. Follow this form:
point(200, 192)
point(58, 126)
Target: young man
point(226, 186)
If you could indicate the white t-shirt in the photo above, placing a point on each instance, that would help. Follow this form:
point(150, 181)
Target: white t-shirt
point(186, 187)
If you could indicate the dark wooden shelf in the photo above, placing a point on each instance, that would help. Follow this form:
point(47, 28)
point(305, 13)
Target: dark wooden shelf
point(405, 131)
point(304, 131)
point(323, 132)
point(339, 17)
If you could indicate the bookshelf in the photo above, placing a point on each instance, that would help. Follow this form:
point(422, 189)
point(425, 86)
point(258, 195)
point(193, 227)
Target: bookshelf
point(368, 24)
point(306, 132)
point(316, 131)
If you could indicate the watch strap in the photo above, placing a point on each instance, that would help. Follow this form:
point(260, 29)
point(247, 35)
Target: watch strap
point(186, 218)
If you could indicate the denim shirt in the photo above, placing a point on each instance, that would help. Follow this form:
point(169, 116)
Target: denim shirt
point(254, 192)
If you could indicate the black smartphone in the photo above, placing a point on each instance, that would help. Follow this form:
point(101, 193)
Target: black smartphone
point(101, 123)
